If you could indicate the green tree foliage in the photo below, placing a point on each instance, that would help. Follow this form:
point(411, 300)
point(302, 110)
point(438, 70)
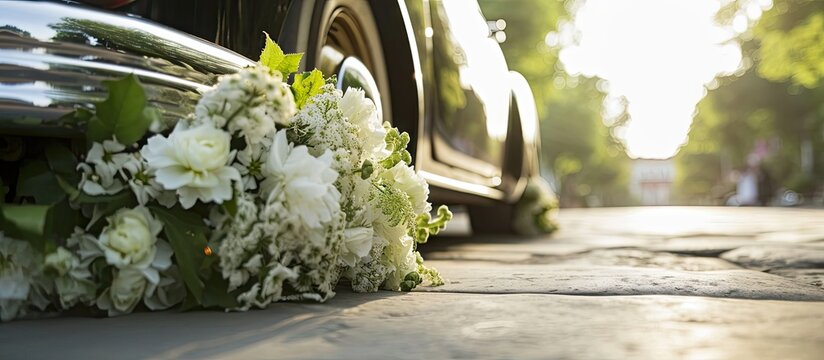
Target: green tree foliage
point(776, 100)
point(589, 165)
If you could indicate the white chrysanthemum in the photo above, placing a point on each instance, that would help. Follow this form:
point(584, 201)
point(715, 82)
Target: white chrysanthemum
point(404, 178)
point(195, 162)
point(250, 102)
point(130, 241)
point(361, 112)
point(307, 181)
point(21, 282)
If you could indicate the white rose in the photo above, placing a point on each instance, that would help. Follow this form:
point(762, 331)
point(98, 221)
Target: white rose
point(361, 112)
point(307, 182)
point(193, 161)
point(128, 287)
point(357, 243)
point(129, 239)
point(404, 178)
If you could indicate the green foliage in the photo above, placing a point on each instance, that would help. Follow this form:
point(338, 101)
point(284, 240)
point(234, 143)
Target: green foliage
point(410, 281)
point(395, 205)
point(425, 225)
point(585, 158)
point(123, 114)
point(777, 102)
point(273, 58)
point(187, 236)
point(306, 86)
point(396, 144)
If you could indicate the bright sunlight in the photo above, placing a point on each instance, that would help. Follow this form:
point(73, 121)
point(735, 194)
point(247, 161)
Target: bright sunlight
point(661, 55)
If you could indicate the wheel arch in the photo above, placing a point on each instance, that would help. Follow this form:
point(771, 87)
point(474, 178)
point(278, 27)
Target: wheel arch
point(400, 55)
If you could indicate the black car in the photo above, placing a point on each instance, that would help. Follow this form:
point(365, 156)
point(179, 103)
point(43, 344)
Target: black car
point(433, 68)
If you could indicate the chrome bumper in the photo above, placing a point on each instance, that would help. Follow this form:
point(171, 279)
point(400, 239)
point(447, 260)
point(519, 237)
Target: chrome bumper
point(53, 58)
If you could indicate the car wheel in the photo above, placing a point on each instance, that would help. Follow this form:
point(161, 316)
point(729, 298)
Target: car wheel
point(344, 40)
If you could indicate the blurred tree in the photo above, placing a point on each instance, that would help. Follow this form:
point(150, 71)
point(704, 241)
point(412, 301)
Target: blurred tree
point(589, 166)
point(774, 103)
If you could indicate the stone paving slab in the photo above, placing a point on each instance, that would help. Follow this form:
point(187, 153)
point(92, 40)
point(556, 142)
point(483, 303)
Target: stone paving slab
point(441, 325)
point(777, 256)
point(481, 277)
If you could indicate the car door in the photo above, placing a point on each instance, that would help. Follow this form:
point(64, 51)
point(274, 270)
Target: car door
point(472, 89)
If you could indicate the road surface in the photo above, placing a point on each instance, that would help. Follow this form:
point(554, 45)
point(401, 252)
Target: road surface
point(639, 283)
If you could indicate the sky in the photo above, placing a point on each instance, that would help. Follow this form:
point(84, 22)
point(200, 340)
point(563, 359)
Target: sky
point(659, 55)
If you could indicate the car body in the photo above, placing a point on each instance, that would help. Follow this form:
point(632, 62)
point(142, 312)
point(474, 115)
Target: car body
point(432, 66)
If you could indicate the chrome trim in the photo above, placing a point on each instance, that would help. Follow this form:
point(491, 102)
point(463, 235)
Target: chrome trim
point(353, 73)
point(54, 58)
point(462, 186)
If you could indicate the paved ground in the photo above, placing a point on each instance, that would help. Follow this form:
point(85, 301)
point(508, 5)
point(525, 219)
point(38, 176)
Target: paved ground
point(639, 283)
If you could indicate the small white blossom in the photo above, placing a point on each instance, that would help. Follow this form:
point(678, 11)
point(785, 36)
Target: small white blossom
point(143, 184)
point(249, 102)
point(194, 162)
point(250, 163)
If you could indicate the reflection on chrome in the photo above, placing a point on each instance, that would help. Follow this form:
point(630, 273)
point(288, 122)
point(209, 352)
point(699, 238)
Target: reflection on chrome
point(54, 57)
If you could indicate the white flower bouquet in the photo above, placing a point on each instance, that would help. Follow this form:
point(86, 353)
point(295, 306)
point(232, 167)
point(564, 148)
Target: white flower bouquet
point(268, 192)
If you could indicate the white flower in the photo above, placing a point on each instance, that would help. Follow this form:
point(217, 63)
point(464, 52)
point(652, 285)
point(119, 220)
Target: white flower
point(20, 278)
point(361, 112)
point(193, 161)
point(130, 241)
point(98, 181)
point(249, 164)
point(398, 254)
point(167, 293)
point(321, 126)
point(143, 184)
point(307, 181)
point(109, 154)
point(128, 287)
point(250, 102)
point(73, 282)
point(404, 178)
point(357, 243)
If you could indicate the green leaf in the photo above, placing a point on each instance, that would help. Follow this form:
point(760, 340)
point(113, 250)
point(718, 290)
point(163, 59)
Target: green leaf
point(61, 220)
point(216, 293)
point(290, 64)
point(62, 161)
point(122, 114)
point(306, 86)
point(273, 58)
point(108, 204)
point(187, 236)
point(272, 55)
point(25, 222)
point(38, 181)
